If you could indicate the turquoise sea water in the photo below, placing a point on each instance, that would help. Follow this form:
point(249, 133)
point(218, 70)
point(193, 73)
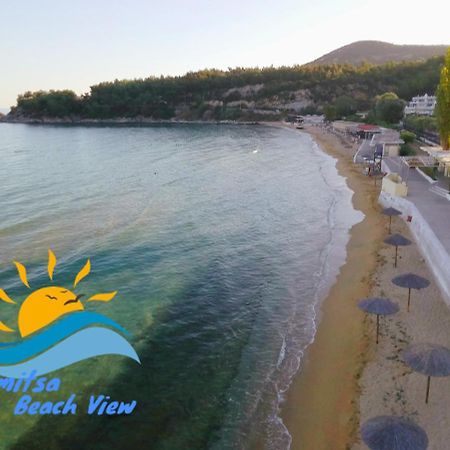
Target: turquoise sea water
point(219, 239)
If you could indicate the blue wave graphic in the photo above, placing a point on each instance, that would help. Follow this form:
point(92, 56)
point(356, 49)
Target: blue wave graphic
point(74, 337)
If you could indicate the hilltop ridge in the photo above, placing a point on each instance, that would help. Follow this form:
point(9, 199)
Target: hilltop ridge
point(379, 52)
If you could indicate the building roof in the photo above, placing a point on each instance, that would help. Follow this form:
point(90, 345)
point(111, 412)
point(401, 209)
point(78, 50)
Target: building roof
point(368, 127)
point(387, 137)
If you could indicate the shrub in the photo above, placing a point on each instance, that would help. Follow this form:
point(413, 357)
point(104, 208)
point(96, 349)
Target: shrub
point(407, 136)
point(406, 150)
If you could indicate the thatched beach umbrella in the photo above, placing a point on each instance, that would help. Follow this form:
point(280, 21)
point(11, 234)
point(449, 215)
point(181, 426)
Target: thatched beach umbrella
point(410, 281)
point(397, 240)
point(429, 359)
point(391, 212)
point(393, 433)
point(380, 307)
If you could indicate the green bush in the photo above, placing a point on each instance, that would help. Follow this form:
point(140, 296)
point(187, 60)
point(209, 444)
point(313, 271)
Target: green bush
point(420, 123)
point(406, 150)
point(407, 136)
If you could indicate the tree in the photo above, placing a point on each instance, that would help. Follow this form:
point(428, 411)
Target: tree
point(345, 106)
point(330, 113)
point(443, 103)
point(344, 88)
point(52, 104)
point(389, 108)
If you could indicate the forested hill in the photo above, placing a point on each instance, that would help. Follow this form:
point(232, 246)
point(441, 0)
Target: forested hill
point(378, 52)
point(236, 94)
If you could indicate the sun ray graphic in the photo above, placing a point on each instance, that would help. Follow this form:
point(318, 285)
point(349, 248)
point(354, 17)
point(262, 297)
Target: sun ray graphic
point(103, 297)
point(84, 272)
point(51, 264)
point(21, 269)
point(5, 297)
point(47, 304)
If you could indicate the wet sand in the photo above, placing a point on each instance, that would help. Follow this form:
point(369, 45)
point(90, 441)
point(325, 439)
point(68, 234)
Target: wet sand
point(322, 406)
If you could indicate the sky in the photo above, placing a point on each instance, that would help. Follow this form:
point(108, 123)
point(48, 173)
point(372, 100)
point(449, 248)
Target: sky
point(49, 44)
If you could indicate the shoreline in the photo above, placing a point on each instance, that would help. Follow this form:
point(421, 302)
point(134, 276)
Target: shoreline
point(120, 121)
point(321, 406)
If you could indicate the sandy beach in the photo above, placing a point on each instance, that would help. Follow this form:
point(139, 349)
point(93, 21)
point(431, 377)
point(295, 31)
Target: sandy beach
point(321, 408)
point(345, 377)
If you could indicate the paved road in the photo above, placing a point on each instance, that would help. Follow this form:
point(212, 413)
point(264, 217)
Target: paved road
point(433, 207)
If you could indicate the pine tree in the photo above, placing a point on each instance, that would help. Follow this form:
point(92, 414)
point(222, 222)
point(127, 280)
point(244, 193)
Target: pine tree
point(443, 103)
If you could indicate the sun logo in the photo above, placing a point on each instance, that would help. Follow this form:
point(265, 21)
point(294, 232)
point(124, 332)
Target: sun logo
point(45, 305)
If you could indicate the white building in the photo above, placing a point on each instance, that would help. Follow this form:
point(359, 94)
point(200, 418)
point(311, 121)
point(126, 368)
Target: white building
point(422, 105)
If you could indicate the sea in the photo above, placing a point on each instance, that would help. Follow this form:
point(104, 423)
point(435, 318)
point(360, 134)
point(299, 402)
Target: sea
point(221, 240)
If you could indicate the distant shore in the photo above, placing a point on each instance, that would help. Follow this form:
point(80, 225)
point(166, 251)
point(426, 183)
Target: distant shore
point(135, 121)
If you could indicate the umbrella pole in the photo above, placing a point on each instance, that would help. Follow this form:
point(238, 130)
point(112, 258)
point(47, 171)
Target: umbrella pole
point(428, 388)
point(409, 297)
point(378, 326)
point(396, 253)
point(390, 220)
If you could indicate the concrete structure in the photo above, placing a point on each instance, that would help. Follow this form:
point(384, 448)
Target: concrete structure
point(444, 164)
point(382, 143)
point(393, 185)
point(388, 142)
point(422, 105)
point(442, 158)
point(430, 213)
point(430, 245)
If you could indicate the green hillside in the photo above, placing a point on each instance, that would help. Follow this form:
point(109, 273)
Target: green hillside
point(236, 94)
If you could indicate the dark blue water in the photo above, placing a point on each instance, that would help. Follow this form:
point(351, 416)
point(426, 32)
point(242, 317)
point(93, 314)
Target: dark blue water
point(220, 241)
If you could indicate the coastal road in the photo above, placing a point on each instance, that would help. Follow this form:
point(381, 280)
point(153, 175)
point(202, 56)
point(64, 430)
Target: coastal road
point(433, 207)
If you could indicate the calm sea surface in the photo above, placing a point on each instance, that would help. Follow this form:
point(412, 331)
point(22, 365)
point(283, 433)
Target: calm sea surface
point(220, 241)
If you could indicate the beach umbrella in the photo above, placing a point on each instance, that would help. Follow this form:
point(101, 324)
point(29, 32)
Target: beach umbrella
point(393, 433)
point(397, 240)
point(429, 359)
point(378, 306)
point(391, 212)
point(410, 281)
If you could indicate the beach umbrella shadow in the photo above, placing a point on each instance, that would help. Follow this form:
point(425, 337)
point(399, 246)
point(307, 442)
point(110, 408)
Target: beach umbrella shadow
point(391, 212)
point(380, 307)
point(410, 281)
point(429, 359)
point(393, 433)
point(397, 240)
